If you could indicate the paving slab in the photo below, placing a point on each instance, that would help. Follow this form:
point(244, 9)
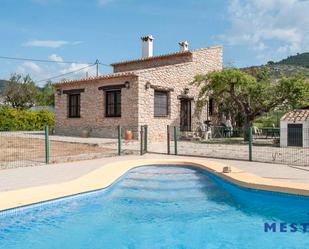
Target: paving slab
point(18, 178)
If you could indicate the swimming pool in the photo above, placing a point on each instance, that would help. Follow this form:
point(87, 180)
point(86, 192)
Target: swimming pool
point(160, 207)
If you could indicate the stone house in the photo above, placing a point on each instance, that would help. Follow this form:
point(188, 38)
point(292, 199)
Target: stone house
point(152, 90)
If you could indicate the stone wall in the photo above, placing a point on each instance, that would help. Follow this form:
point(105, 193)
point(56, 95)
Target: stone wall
point(178, 77)
point(92, 112)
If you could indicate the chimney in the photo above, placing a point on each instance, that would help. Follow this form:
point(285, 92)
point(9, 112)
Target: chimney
point(184, 46)
point(147, 46)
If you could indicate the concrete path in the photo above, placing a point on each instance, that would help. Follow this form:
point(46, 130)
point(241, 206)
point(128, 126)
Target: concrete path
point(54, 173)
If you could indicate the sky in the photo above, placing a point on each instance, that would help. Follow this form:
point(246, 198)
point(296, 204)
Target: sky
point(81, 31)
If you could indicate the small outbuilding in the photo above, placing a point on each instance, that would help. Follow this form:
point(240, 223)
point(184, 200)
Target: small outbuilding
point(294, 128)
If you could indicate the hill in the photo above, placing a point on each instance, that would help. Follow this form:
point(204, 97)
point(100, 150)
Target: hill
point(2, 85)
point(295, 64)
point(297, 60)
point(281, 70)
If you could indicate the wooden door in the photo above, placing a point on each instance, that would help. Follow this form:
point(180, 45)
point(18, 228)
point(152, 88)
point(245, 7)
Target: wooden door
point(295, 135)
point(185, 115)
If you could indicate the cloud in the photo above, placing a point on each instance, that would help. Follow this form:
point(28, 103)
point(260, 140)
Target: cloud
point(66, 68)
point(50, 43)
point(91, 71)
point(31, 66)
point(54, 57)
point(43, 71)
point(34, 70)
point(265, 26)
point(45, 43)
point(77, 42)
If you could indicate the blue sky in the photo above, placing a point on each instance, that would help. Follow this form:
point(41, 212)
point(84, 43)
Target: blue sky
point(252, 31)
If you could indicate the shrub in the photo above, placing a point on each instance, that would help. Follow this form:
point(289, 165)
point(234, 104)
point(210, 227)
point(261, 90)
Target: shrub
point(269, 119)
point(12, 119)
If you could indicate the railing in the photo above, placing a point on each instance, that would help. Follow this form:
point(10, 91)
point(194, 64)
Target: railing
point(28, 148)
point(272, 145)
point(284, 146)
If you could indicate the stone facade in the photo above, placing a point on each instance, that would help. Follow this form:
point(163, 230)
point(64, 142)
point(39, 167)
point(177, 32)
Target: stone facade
point(172, 72)
point(92, 109)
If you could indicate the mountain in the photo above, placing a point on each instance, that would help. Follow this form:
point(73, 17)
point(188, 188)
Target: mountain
point(281, 70)
point(295, 64)
point(297, 60)
point(2, 85)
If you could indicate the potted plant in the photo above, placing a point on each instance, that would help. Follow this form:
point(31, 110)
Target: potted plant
point(128, 135)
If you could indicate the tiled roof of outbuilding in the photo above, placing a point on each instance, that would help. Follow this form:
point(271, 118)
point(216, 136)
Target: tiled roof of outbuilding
point(297, 115)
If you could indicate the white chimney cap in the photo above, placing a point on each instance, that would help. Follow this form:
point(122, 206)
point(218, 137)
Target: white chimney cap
point(147, 38)
point(184, 46)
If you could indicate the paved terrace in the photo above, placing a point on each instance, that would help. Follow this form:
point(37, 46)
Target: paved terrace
point(18, 178)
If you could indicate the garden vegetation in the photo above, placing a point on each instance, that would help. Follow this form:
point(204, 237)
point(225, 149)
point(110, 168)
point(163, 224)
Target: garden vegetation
point(13, 119)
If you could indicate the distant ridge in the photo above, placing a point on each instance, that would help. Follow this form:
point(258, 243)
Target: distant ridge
point(297, 60)
point(292, 65)
point(3, 83)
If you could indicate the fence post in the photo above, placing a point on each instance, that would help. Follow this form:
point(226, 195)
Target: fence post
point(168, 140)
point(250, 143)
point(175, 140)
point(142, 138)
point(119, 140)
point(146, 138)
point(46, 145)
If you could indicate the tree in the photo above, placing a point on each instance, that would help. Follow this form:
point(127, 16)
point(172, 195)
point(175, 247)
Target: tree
point(251, 96)
point(45, 95)
point(20, 91)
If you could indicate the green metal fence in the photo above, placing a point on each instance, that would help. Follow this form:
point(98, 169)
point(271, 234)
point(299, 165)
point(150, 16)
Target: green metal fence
point(271, 145)
point(21, 148)
point(143, 139)
point(28, 148)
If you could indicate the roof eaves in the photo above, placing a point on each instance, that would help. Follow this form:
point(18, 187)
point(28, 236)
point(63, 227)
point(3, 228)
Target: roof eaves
point(101, 77)
point(163, 56)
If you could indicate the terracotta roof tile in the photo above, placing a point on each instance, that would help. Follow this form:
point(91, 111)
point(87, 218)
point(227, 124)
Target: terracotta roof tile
point(101, 77)
point(163, 56)
point(296, 115)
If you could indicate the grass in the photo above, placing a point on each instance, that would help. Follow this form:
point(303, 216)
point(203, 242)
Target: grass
point(28, 149)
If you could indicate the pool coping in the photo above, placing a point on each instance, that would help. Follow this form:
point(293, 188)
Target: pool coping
point(104, 176)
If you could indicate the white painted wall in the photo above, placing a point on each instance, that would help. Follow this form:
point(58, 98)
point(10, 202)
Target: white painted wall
point(284, 132)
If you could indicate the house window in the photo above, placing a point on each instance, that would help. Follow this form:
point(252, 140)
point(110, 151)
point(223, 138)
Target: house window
point(211, 106)
point(160, 103)
point(113, 103)
point(74, 105)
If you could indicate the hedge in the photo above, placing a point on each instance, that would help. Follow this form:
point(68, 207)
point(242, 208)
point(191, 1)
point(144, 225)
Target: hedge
point(12, 119)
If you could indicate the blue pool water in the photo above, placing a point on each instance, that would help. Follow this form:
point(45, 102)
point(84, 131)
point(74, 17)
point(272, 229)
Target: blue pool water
point(160, 207)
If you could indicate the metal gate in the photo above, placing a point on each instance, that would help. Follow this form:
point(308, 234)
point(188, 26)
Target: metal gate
point(295, 135)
